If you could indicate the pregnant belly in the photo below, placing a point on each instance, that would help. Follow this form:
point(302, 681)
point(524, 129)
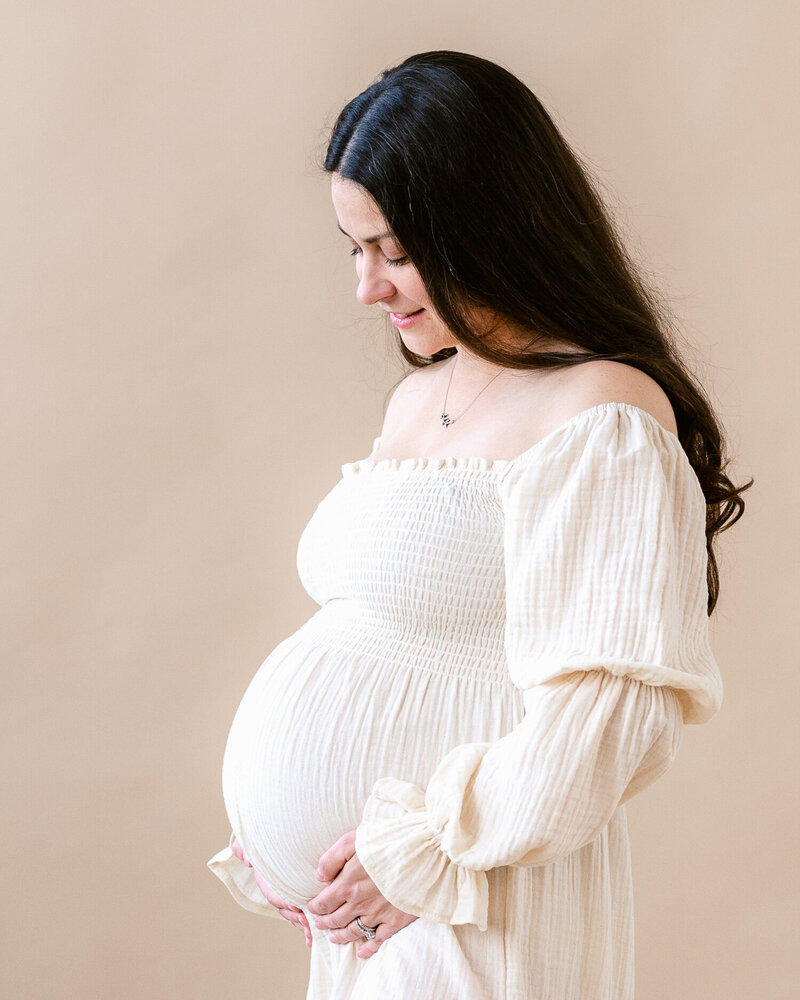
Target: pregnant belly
point(318, 726)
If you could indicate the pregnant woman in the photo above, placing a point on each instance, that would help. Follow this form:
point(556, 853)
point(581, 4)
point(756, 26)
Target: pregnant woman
point(430, 775)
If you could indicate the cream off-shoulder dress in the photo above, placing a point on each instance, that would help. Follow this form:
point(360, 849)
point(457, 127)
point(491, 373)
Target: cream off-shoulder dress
point(505, 652)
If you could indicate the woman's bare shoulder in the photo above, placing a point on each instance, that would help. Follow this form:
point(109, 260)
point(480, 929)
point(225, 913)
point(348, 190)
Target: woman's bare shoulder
point(604, 381)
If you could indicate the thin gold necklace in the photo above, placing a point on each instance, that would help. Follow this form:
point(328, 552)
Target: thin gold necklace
point(444, 416)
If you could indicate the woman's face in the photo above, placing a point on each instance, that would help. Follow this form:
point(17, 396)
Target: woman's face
point(385, 276)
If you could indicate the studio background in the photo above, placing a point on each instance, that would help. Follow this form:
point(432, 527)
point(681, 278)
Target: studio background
point(185, 369)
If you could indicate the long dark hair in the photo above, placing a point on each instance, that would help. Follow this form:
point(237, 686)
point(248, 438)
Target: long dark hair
point(494, 208)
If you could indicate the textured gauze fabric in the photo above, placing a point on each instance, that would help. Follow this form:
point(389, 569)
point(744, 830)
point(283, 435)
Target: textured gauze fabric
point(504, 653)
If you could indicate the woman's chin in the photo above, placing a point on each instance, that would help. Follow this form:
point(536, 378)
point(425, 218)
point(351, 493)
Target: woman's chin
point(424, 344)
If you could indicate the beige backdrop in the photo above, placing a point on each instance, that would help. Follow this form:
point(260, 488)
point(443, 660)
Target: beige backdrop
point(186, 367)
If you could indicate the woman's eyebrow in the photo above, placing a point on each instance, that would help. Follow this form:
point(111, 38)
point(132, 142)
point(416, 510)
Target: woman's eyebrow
point(369, 239)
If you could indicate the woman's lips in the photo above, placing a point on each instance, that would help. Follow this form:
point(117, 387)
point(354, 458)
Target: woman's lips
point(403, 321)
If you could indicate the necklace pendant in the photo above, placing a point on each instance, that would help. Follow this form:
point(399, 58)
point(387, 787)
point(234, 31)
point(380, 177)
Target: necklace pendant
point(446, 419)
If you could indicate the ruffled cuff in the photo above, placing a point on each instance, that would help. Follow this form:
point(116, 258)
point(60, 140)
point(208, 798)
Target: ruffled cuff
point(402, 854)
point(241, 883)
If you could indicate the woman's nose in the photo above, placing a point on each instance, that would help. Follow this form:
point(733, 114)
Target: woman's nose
point(373, 286)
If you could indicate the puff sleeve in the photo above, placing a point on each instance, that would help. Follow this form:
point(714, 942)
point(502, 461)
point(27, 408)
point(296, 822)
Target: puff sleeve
point(606, 635)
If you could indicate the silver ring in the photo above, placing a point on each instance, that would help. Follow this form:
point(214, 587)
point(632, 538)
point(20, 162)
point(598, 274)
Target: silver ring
point(368, 932)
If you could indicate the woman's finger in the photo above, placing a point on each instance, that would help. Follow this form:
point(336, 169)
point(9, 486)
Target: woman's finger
point(238, 850)
point(299, 921)
point(272, 897)
point(383, 931)
point(334, 859)
point(287, 910)
point(294, 918)
point(371, 945)
point(338, 919)
point(345, 935)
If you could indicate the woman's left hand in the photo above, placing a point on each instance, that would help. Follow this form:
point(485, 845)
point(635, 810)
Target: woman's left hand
point(351, 894)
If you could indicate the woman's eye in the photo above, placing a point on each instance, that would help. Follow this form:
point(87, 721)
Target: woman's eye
point(394, 261)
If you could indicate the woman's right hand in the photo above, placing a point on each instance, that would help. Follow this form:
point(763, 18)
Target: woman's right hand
point(291, 913)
